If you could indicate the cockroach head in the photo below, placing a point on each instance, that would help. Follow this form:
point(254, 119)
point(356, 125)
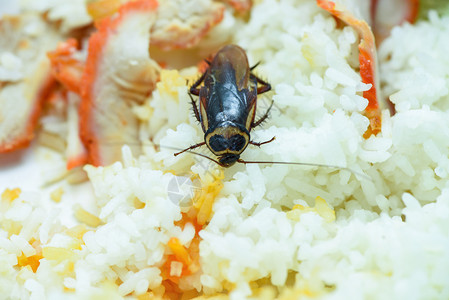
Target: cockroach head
point(229, 159)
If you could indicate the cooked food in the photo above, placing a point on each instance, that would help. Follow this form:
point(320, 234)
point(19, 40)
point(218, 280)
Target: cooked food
point(25, 79)
point(118, 74)
point(364, 216)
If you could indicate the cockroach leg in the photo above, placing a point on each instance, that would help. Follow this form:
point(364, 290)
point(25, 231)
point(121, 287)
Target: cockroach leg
point(265, 85)
point(260, 144)
point(195, 108)
point(263, 118)
point(255, 66)
point(194, 88)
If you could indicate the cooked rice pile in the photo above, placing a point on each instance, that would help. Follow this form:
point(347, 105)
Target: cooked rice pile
point(265, 230)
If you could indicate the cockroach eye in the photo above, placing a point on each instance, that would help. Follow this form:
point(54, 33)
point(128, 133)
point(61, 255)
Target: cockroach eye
point(237, 142)
point(218, 143)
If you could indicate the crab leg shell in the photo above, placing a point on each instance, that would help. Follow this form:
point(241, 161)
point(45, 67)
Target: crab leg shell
point(119, 73)
point(367, 57)
point(22, 97)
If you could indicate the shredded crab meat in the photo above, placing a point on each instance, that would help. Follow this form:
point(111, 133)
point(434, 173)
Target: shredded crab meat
point(29, 37)
point(119, 74)
point(344, 10)
point(182, 24)
point(70, 13)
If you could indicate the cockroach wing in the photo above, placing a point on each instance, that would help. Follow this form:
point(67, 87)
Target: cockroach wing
point(251, 104)
point(233, 58)
point(203, 109)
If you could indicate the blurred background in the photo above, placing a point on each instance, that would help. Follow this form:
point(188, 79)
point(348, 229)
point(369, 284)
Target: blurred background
point(8, 6)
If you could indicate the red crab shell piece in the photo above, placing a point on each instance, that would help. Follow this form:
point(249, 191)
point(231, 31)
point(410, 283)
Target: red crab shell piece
point(118, 74)
point(28, 37)
point(182, 24)
point(350, 13)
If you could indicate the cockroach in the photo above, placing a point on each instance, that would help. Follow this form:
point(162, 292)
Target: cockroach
point(227, 109)
point(227, 105)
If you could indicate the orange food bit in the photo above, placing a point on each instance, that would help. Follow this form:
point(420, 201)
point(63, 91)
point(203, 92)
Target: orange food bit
point(204, 199)
point(180, 251)
point(172, 291)
point(198, 215)
point(188, 257)
point(32, 261)
point(11, 195)
point(76, 161)
point(64, 67)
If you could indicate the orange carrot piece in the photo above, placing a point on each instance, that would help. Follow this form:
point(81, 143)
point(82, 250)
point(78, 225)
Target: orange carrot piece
point(179, 250)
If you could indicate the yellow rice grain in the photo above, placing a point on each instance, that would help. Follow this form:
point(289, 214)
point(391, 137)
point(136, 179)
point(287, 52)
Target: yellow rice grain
point(57, 253)
point(56, 195)
point(10, 195)
point(85, 217)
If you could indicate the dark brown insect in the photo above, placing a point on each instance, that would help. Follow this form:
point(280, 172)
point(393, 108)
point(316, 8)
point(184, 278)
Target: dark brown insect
point(227, 105)
point(227, 109)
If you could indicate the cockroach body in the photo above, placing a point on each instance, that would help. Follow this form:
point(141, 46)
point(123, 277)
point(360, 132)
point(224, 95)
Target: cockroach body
point(227, 105)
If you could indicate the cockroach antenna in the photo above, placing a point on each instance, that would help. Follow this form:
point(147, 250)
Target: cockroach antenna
point(307, 164)
point(364, 176)
point(157, 147)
